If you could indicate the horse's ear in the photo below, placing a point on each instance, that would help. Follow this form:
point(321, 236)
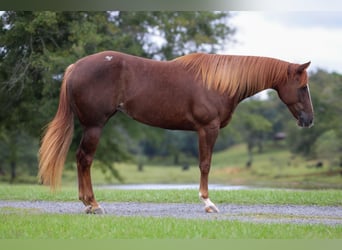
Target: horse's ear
point(303, 67)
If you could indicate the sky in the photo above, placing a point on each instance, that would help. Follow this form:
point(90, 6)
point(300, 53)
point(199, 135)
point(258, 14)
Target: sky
point(293, 36)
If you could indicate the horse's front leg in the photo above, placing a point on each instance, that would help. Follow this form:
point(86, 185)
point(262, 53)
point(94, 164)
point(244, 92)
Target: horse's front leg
point(85, 154)
point(207, 137)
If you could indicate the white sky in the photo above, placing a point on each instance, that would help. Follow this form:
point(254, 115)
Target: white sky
point(294, 36)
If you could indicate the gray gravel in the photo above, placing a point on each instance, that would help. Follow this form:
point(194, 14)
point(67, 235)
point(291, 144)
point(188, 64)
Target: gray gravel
point(329, 215)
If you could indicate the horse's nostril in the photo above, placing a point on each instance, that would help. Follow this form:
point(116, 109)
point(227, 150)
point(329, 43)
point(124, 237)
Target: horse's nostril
point(305, 120)
point(311, 123)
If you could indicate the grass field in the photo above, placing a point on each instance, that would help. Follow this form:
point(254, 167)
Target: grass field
point(29, 224)
point(33, 226)
point(275, 168)
point(252, 196)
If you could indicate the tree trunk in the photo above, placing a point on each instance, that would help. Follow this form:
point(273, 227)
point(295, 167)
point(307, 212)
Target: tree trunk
point(250, 155)
point(176, 159)
point(13, 158)
point(13, 170)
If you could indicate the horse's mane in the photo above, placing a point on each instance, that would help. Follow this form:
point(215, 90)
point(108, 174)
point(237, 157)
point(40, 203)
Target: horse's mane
point(236, 75)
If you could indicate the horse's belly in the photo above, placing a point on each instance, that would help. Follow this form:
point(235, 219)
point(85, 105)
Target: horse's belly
point(159, 115)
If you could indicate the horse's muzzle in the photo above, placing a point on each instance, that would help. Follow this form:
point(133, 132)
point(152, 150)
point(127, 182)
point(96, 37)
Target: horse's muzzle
point(305, 120)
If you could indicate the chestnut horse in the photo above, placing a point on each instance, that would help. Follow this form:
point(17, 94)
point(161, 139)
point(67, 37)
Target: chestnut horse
point(196, 92)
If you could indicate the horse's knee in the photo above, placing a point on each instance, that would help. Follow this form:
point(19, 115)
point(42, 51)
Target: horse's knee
point(204, 167)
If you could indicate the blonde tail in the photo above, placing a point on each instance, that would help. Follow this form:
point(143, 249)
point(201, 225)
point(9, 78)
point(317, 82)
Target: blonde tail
point(56, 141)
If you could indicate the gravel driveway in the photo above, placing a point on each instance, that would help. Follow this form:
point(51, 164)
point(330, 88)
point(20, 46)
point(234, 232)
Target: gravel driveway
point(329, 215)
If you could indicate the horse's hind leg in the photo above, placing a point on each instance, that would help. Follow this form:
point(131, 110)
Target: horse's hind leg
point(85, 154)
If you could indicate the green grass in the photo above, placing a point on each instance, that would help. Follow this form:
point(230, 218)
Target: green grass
point(253, 196)
point(276, 167)
point(21, 225)
point(31, 224)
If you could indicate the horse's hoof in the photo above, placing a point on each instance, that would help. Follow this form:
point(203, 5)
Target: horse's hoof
point(209, 206)
point(90, 210)
point(99, 210)
point(211, 209)
point(87, 209)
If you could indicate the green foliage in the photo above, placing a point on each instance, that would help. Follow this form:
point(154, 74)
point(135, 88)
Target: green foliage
point(36, 47)
point(328, 146)
point(17, 155)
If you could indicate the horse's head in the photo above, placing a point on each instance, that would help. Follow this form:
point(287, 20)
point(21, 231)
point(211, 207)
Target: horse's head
point(295, 94)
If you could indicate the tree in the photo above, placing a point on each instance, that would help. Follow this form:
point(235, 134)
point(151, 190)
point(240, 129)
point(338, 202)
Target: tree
point(36, 47)
point(165, 35)
point(253, 125)
point(328, 147)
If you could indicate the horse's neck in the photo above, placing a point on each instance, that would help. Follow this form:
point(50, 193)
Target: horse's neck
point(248, 92)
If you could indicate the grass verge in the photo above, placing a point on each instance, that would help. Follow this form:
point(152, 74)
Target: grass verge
point(30, 224)
point(252, 196)
point(21, 225)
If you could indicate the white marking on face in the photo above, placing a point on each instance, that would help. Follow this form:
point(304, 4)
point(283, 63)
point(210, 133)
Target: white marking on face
point(108, 58)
